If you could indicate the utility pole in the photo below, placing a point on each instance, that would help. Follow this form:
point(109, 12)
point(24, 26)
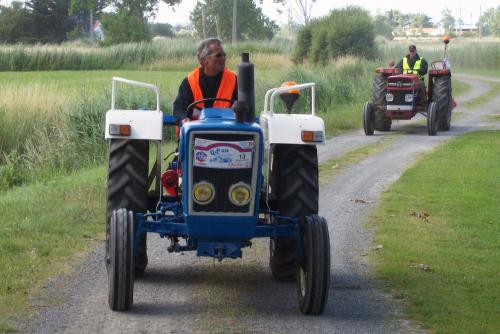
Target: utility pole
point(480, 24)
point(91, 27)
point(235, 20)
point(203, 22)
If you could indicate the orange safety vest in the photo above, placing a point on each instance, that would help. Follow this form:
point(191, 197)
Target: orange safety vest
point(226, 88)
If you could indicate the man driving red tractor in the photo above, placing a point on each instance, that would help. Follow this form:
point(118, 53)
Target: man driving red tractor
point(412, 63)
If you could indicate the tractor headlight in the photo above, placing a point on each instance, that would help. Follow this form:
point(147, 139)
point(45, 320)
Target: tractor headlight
point(240, 194)
point(389, 97)
point(203, 192)
point(408, 97)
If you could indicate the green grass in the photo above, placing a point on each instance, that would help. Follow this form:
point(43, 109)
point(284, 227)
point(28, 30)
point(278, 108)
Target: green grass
point(460, 87)
point(39, 236)
point(332, 167)
point(457, 186)
point(490, 72)
point(492, 93)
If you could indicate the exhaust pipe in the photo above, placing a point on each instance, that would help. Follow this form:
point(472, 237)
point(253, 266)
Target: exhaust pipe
point(246, 88)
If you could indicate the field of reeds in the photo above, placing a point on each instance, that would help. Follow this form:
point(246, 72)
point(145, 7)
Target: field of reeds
point(51, 121)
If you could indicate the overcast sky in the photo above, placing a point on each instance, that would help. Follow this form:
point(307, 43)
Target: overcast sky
point(468, 10)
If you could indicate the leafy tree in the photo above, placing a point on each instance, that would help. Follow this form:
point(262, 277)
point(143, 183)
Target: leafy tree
point(303, 45)
point(420, 21)
point(121, 27)
point(382, 26)
point(491, 20)
point(84, 12)
point(251, 24)
point(50, 20)
point(319, 48)
point(15, 24)
point(161, 29)
point(349, 31)
point(447, 20)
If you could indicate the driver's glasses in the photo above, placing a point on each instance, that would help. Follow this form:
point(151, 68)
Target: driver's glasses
point(218, 55)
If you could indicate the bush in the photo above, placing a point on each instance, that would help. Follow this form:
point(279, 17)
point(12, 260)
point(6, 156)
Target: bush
point(303, 45)
point(124, 28)
point(350, 31)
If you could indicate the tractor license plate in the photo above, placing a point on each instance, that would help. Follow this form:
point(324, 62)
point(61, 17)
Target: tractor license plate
point(223, 155)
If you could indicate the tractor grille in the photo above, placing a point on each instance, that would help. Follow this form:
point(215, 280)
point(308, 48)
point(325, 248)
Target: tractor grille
point(223, 178)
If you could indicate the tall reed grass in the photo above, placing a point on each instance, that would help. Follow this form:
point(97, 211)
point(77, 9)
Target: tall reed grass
point(169, 54)
point(46, 129)
point(462, 53)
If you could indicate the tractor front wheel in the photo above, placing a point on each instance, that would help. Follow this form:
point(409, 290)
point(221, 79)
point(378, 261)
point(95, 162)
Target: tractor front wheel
point(127, 185)
point(294, 184)
point(368, 126)
point(432, 119)
point(120, 260)
point(313, 271)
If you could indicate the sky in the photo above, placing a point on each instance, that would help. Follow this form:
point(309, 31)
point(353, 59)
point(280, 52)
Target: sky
point(468, 10)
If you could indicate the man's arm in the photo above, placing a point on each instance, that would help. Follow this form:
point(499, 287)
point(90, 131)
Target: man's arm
point(423, 67)
point(183, 99)
point(400, 65)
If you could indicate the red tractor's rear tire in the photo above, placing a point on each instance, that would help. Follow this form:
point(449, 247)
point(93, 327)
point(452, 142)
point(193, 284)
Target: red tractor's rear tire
point(441, 95)
point(294, 184)
point(379, 88)
point(127, 186)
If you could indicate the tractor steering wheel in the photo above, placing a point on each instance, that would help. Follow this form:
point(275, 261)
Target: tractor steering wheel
point(192, 105)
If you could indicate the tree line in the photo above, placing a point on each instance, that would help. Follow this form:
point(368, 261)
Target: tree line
point(56, 21)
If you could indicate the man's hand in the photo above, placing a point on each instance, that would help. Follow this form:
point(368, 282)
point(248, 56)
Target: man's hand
point(185, 120)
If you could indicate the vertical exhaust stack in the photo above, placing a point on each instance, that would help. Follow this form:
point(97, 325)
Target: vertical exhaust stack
point(246, 86)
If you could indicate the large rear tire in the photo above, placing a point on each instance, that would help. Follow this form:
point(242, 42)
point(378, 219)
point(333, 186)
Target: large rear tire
point(294, 184)
point(379, 89)
point(127, 185)
point(120, 263)
point(368, 109)
point(313, 271)
point(441, 95)
point(432, 119)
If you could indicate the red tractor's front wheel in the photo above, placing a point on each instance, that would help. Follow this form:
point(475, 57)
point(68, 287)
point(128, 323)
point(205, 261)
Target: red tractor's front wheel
point(368, 126)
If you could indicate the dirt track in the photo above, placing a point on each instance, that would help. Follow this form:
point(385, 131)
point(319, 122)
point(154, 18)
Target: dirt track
point(184, 294)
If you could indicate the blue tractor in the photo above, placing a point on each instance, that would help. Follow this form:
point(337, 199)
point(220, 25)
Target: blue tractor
point(233, 178)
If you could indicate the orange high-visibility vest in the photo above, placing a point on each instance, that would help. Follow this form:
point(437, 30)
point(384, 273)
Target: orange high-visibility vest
point(226, 88)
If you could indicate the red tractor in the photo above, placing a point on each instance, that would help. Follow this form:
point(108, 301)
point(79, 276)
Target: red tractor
point(396, 97)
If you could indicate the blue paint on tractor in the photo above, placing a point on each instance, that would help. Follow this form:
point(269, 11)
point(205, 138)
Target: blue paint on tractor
point(215, 234)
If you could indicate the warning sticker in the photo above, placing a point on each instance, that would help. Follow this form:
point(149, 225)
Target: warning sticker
point(224, 155)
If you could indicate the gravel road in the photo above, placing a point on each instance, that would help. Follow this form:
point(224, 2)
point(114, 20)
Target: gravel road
point(184, 294)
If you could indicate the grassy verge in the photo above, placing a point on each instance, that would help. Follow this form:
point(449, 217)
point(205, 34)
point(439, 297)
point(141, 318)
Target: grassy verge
point(493, 92)
point(460, 87)
point(41, 227)
point(490, 72)
point(440, 234)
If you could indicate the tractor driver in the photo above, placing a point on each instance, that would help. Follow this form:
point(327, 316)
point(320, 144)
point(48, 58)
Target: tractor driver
point(413, 63)
point(210, 80)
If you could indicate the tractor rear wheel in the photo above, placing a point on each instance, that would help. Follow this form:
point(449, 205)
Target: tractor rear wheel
point(441, 95)
point(313, 271)
point(432, 119)
point(368, 109)
point(120, 263)
point(294, 184)
point(379, 88)
point(127, 185)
